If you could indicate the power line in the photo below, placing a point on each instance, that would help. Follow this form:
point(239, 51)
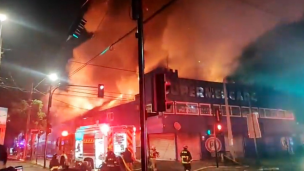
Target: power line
point(123, 37)
point(103, 18)
point(90, 97)
point(102, 66)
point(70, 105)
point(108, 92)
point(259, 8)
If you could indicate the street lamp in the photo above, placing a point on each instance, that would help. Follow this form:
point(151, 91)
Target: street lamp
point(52, 77)
point(3, 17)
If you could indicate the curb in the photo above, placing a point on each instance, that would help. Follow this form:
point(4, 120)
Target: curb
point(220, 167)
point(270, 168)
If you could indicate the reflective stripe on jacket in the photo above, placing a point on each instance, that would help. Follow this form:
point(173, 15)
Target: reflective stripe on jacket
point(186, 157)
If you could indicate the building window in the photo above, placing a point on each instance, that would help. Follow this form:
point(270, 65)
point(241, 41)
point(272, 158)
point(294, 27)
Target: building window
point(254, 110)
point(289, 115)
point(235, 111)
point(205, 109)
point(192, 108)
point(223, 110)
point(169, 107)
point(216, 107)
point(149, 108)
point(281, 114)
point(262, 113)
point(181, 108)
point(273, 113)
point(245, 111)
point(267, 113)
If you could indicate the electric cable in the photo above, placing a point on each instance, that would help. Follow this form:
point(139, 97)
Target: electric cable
point(102, 66)
point(108, 92)
point(259, 8)
point(123, 37)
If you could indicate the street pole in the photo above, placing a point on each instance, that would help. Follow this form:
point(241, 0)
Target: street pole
point(28, 121)
point(215, 147)
point(137, 14)
point(0, 41)
point(254, 139)
point(46, 126)
point(229, 129)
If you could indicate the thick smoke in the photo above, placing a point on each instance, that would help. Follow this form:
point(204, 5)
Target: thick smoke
point(201, 38)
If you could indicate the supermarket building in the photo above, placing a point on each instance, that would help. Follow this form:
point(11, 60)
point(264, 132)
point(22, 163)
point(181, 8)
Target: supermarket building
point(191, 114)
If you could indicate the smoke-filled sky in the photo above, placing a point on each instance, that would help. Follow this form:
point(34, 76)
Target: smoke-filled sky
point(203, 39)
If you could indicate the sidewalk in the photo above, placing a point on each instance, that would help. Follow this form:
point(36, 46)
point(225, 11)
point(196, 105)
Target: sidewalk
point(196, 165)
point(26, 166)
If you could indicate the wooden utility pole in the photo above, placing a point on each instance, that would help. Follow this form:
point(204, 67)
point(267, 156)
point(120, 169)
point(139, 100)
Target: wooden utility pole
point(28, 121)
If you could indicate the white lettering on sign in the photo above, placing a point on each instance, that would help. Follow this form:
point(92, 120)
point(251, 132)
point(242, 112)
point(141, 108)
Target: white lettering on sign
point(210, 144)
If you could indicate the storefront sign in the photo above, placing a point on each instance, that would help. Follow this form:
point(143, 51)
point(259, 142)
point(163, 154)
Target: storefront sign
point(211, 92)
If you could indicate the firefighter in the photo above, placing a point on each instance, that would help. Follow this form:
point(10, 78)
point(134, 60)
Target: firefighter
point(128, 158)
point(54, 162)
point(63, 160)
point(153, 155)
point(111, 160)
point(186, 158)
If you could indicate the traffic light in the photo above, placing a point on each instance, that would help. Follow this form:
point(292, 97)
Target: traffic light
point(218, 128)
point(100, 90)
point(209, 130)
point(162, 89)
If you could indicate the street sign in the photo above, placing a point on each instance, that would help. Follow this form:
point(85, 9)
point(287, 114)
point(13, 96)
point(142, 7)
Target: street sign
point(210, 146)
point(253, 125)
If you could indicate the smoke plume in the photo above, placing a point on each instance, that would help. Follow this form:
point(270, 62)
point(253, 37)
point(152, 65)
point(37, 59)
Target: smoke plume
point(202, 39)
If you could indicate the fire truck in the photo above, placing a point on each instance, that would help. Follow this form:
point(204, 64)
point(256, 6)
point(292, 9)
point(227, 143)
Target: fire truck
point(90, 143)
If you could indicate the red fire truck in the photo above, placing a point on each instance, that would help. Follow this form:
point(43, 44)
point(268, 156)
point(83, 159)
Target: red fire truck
point(90, 143)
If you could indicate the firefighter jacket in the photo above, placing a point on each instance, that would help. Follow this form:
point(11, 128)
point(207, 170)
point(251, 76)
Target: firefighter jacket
point(127, 156)
point(111, 159)
point(186, 157)
point(154, 154)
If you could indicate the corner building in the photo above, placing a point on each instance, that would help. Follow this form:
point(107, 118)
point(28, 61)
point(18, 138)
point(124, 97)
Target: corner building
point(191, 114)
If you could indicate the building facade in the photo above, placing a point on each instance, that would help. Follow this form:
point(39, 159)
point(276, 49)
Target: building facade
point(191, 114)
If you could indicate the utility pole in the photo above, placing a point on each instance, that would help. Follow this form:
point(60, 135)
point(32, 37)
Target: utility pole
point(28, 121)
point(137, 14)
point(0, 41)
point(215, 147)
point(229, 129)
point(47, 124)
point(254, 139)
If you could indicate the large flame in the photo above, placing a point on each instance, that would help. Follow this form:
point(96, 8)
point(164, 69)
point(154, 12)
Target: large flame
point(200, 38)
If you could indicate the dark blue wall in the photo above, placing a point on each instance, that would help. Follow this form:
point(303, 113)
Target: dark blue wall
point(185, 90)
point(199, 124)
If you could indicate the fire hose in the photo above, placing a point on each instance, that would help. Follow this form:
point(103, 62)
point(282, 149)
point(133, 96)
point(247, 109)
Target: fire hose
point(126, 166)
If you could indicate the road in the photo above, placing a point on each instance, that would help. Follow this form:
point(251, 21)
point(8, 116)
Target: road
point(26, 166)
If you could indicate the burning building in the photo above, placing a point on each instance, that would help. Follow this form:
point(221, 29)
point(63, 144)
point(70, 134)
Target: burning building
point(190, 116)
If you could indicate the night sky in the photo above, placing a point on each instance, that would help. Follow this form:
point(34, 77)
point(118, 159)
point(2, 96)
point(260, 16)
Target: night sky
point(35, 32)
point(253, 41)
